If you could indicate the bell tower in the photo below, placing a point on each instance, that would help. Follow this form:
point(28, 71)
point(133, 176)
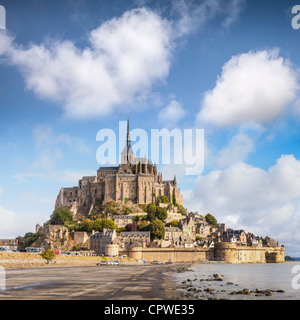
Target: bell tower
point(127, 155)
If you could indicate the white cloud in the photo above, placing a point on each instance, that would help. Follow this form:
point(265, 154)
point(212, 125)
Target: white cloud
point(254, 87)
point(126, 56)
point(237, 150)
point(193, 15)
point(13, 224)
point(266, 202)
point(171, 114)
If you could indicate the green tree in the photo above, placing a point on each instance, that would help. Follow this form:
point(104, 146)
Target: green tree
point(28, 239)
point(108, 224)
point(211, 219)
point(136, 218)
point(182, 210)
point(87, 225)
point(163, 199)
point(161, 213)
point(126, 210)
point(48, 255)
point(74, 227)
point(175, 223)
point(157, 229)
point(98, 224)
point(143, 226)
point(151, 212)
point(174, 201)
point(62, 215)
point(101, 223)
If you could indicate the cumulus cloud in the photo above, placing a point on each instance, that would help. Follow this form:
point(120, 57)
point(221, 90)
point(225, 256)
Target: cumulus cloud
point(266, 202)
point(125, 57)
point(253, 87)
point(171, 114)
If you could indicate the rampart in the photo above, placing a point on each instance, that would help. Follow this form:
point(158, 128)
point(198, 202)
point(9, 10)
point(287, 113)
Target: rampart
point(223, 252)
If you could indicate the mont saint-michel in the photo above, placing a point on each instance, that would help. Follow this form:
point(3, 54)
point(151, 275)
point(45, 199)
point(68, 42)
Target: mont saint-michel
point(135, 179)
point(130, 211)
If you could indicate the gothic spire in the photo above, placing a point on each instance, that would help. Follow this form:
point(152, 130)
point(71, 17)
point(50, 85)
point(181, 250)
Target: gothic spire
point(128, 141)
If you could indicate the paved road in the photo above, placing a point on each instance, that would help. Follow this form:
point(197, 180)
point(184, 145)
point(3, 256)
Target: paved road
point(124, 282)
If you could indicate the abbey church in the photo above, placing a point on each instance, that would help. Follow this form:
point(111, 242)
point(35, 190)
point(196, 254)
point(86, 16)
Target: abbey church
point(135, 179)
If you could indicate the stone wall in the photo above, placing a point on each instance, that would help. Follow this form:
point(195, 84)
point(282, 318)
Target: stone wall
point(80, 237)
point(231, 253)
point(170, 254)
point(224, 252)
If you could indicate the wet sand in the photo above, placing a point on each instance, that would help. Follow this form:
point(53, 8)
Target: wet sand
point(123, 282)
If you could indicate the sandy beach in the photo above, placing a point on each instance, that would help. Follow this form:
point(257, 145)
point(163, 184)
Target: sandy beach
point(28, 277)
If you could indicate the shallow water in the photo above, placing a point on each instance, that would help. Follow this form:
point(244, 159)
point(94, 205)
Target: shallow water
point(277, 276)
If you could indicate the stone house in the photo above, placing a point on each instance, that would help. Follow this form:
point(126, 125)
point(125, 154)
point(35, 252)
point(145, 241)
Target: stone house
point(128, 238)
point(203, 229)
point(187, 241)
point(173, 234)
point(122, 220)
point(80, 237)
point(99, 240)
point(188, 228)
point(235, 236)
point(253, 241)
point(196, 216)
point(11, 244)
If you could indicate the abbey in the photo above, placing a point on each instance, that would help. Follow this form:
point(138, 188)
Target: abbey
point(135, 179)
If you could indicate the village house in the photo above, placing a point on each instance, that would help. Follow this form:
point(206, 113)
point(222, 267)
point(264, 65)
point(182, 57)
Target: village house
point(187, 242)
point(235, 236)
point(202, 229)
point(121, 221)
point(127, 238)
point(99, 240)
point(11, 244)
point(188, 228)
point(173, 234)
point(253, 241)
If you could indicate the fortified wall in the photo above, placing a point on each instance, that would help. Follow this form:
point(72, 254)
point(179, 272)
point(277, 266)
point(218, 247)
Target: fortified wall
point(231, 253)
point(223, 252)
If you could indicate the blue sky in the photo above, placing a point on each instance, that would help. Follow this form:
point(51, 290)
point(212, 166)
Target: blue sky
point(229, 67)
